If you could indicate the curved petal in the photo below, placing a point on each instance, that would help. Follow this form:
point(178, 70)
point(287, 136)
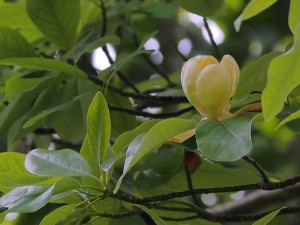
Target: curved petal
point(213, 89)
point(232, 67)
point(189, 75)
point(206, 60)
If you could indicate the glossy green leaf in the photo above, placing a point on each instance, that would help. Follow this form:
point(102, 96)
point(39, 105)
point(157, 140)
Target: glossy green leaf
point(15, 86)
point(120, 122)
point(145, 144)
point(26, 198)
point(63, 188)
point(266, 219)
point(201, 7)
point(14, 15)
point(12, 165)
point(13, 44)
point(99, 127)
point(253, 8)
point(126, 138)
point(49, 111)
point(283, 77)
point(43, 100)
point(76, 115)
point(214, 174)
point(159, 9)
point(84, 46)
point(64, 162)
point(254, 75)
point(294, 15)
point(226, 140)
point(293, 116)
point(57, 19)
point(2, 217)
point(44, 64)
point(58, 215)
point(152, 214)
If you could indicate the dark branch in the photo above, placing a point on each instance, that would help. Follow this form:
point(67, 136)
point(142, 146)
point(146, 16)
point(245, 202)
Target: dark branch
point(258, 168)
point(189, 179)
point(172, 195)
point(44, 131)
point(154, 67)
point(105, 49)
point(181, 55)
point(84, 64)
point(211, 38)
point(147, 114)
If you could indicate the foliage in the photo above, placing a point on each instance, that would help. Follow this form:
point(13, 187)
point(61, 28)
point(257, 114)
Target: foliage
point(122, 144)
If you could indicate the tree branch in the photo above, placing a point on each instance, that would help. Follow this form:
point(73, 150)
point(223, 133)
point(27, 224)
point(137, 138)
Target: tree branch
point(258, 200)
point(211, 38)
point(105, 50)
point(180, 194)
point(257, 167)
point(154, 67)
point(147, 114)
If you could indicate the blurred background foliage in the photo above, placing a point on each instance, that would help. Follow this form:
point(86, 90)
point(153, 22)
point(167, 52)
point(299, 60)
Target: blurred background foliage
point(179, 34)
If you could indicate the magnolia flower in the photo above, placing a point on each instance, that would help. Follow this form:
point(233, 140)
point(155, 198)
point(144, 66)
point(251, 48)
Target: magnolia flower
point(209, 85)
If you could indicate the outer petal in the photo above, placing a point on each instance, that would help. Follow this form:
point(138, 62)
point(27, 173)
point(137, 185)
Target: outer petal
point(232, 67)
point(213, 90)
point(206, 60)
point(189, 76)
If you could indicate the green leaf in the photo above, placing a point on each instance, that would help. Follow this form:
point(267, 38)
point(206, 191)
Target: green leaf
point(294, 15)
point(293, 116)
point(76, 115)
point(254, 75)
point(26, 199)
point(31, 198)
point(227, 140)
point(57, 19)
point(15, 86)
point(58, 215)
point(12, 165)
point(159, 9)
point(145, 144)
point(283, 77)
point(126, 138)
point(45, 64)
point(266, 219)
point(201, 7)
point(99, 127)
point(253, 8)
point(14, 15)
point(120, 122)
point(64, 162)
point(48, 112)
point(13, 44)
point(214, 174)
point(152, 214)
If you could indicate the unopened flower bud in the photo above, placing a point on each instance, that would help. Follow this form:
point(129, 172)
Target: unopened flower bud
point(209, 85)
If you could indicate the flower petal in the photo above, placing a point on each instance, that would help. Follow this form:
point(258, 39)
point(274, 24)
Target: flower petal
point(189, 75)
point(232, 67)
point(213, 89)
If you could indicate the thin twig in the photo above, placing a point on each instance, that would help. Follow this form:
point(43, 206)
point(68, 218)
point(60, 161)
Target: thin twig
point(105, 49)
point(147, 114)
point(154, 67)
point(189, 179)
point(180, 194)
point(84, 64)
point(44, 131)
point(211, 38)
point(257, 167)
point(181, 55)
